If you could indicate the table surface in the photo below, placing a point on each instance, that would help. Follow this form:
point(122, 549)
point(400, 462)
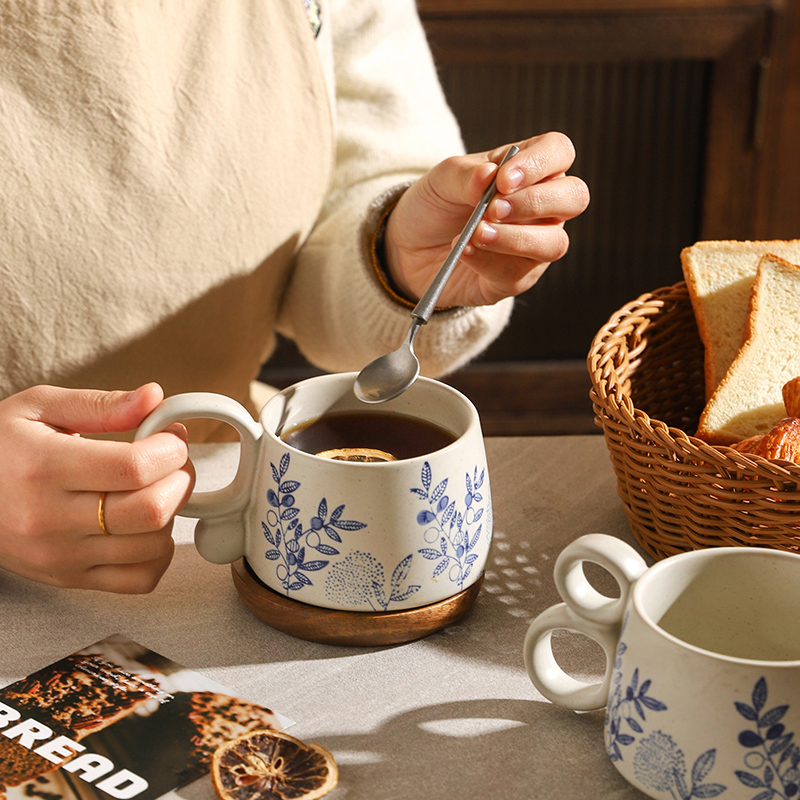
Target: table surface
point(450, 716)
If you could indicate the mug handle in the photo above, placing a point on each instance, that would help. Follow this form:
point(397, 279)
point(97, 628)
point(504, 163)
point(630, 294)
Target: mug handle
point(220, 533)
point(586, 611)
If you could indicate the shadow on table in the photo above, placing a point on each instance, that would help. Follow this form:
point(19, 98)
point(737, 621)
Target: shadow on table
point(477, 749)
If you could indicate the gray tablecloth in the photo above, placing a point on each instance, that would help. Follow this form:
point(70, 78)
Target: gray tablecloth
point(450, 716)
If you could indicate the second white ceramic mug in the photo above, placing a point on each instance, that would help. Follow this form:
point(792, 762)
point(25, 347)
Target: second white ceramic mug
point(702, 681)
point(337, 534)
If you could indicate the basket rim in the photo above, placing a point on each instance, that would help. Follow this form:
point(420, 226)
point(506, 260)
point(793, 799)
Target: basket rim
point(611, 401)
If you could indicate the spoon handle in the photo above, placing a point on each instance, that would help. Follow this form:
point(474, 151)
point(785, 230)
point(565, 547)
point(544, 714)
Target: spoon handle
point(424, 308)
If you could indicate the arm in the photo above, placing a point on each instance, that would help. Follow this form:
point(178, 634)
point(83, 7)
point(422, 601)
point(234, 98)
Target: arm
point(395, 132)
point(392, 125)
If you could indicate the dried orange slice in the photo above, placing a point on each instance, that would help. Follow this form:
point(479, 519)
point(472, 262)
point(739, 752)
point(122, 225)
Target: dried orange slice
point(271, 765)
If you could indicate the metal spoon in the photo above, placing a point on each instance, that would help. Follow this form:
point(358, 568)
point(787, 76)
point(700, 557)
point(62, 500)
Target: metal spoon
point(389, 376)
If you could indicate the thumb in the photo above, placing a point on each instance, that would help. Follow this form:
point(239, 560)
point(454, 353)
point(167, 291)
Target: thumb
point(93, 410)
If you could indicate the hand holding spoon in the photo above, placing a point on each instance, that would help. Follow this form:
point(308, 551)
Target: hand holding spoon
point(390, 375)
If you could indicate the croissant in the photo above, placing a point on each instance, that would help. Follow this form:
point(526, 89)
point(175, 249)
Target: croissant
point(782, 442)
point(791, 397)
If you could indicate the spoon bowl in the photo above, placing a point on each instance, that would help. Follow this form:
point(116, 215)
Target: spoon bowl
point(390, 375)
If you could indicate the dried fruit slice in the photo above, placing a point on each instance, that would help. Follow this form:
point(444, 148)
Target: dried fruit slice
point(271, 765)
point(357, 454)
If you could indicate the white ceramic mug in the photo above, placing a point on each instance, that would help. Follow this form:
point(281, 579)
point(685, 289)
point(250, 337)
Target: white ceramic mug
point(338, 534)
point(702, 682)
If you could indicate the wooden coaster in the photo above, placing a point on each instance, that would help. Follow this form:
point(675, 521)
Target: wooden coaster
point(353, 628)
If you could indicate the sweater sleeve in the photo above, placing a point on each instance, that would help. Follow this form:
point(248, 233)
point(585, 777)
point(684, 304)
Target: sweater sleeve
point(392, 125)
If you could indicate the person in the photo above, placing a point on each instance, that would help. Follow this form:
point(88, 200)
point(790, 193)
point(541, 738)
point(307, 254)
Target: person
point(183, 181)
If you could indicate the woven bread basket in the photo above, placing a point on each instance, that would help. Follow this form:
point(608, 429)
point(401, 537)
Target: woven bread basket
point(646, 367)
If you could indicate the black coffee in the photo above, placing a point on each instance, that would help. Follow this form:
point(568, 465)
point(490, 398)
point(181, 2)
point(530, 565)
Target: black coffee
point(360, 436)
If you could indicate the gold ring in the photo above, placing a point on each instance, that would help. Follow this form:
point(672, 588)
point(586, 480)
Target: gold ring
point(101, 514)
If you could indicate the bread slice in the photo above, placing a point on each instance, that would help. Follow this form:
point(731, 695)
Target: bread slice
point(719, 276)
point(749, 398)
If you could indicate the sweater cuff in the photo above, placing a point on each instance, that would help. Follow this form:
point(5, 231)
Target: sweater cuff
point(377, 254)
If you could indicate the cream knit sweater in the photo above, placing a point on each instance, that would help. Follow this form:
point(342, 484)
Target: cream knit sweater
point(181, 178)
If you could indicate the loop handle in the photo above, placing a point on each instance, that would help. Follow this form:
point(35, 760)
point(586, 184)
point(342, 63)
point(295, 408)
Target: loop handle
point(585, 611)
point(220, 535)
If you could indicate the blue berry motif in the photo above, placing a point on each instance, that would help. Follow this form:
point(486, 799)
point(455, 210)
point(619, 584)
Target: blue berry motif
point(453, 533)
point(291, 543)
point(773, 759)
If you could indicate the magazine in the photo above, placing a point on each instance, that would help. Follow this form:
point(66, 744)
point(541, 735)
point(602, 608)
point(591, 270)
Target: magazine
point(116, 721)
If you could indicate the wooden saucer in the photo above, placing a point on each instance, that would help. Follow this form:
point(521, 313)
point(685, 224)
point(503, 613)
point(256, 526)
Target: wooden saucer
point(353, 628)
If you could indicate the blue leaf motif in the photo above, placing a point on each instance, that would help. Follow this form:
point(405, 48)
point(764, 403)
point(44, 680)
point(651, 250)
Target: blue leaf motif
point(772, 716)
point(759, 694)
point(322, 510)
point(780, 744)
point(289, 513)
point(267, 533)
point(426, 475)
point(275, 475)
point(439, 490)
point(430, 553)
point(348, 524)
point(703, 765)
point(284, 464)
point(653, 704)
point(440, 568)
point(419, 493)
point(290, 486)
point(272, 555)
point(398, 598)
point(746, 711)
point(709, 790)
point(425, 517)
point(272, 498)
point(750, 739)
point(326, 550)
point(680, 783)
point(448, 513)
point(313, 566)
point(401, 571)
point(748, 779)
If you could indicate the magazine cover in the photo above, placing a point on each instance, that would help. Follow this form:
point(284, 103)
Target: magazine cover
point(115, 721)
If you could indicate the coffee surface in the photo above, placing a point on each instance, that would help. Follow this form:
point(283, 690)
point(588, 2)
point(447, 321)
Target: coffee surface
point(396, 434)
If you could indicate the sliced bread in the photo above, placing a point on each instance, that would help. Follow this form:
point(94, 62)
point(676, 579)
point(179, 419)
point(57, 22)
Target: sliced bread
point(749, 399)
point(719, 276)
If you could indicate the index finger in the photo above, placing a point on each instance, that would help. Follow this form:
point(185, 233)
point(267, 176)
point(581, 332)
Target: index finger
point(100, 465)
point(539, 158)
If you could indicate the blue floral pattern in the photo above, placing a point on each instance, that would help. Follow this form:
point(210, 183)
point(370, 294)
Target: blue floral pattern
point(658, 761)
point(359, 578)
point(304, 551)
point(453, 533)
point(290, 540)
point(773, 757)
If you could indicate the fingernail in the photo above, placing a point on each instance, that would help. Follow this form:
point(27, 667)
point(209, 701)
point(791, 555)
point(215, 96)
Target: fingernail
point(501, 209)
point(515, 178)
point(180, 431)
point(486, 233)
